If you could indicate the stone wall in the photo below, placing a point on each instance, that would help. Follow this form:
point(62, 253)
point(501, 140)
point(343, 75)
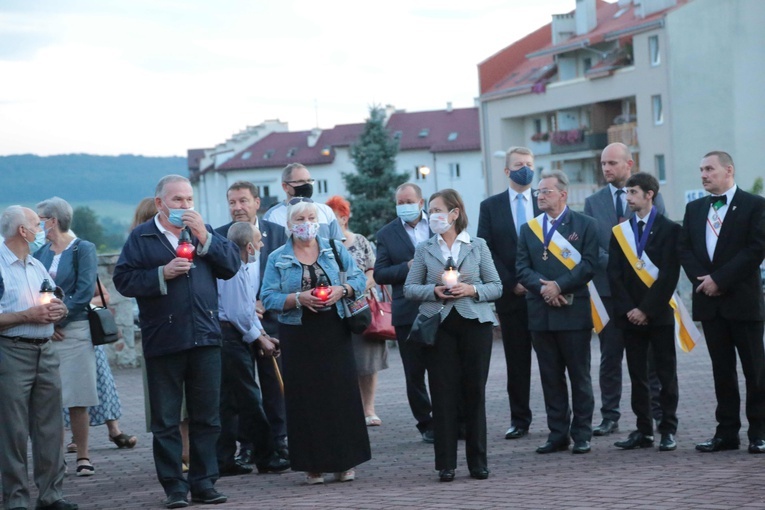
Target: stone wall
point(126, 352)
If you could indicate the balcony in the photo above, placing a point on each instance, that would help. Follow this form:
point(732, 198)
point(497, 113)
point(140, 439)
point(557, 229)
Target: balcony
point(624, 133)
point(577, 140)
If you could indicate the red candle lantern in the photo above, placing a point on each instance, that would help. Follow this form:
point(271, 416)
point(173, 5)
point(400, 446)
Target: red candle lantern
point(185, 249)
point(322, 289)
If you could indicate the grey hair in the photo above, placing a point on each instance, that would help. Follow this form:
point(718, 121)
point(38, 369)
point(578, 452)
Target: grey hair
point(160, 190)
point(298, 208)
point(58, 208)
point(559, 176)
point(12, 218)
point(287, 172)
point(240, 233)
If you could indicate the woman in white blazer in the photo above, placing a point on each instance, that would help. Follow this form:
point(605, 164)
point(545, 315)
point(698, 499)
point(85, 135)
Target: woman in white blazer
point(458, 364)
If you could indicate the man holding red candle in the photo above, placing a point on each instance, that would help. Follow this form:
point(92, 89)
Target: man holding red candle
point(178, 303)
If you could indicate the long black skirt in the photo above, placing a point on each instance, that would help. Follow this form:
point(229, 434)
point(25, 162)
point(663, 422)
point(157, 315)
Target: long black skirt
point(325, 417)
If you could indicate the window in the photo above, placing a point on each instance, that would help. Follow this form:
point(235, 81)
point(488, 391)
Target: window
point(418, 175)
point(453, 136)
point(661, 170)
point(266, 193)
point(587, 61)
point(454, 170)
point(321, 186)
point(292, 152)
point(653, 50)
point(537, 125)
point(246, 155)
point(424, 133)
point(658, 111)
point(268, 154)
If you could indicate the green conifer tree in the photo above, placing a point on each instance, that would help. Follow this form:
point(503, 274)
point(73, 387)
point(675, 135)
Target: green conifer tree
point(373, 185)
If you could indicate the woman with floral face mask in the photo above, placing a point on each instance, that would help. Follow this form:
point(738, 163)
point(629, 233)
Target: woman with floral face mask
point(325, 417)
point(458, 363)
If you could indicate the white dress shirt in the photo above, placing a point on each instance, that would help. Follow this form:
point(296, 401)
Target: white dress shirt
point(711, 235)
point(420, 232)
point(528, 205)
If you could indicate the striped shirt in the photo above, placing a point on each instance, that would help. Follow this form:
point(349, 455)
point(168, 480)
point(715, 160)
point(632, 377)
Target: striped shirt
point(20, 283)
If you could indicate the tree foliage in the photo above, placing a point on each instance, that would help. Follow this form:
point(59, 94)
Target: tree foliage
point(85, 224)
point(373, 185)
point(757, 186)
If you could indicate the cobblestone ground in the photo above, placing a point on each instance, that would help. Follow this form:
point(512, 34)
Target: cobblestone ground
point(401, 472)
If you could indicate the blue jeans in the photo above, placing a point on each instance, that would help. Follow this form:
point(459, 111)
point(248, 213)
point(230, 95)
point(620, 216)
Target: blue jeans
point(199, 371)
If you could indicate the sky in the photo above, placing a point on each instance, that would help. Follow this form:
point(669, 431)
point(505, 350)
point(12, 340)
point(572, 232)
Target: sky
point(158, 77)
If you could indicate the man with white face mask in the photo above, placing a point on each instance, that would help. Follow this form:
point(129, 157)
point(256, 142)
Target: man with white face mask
point(242, 333)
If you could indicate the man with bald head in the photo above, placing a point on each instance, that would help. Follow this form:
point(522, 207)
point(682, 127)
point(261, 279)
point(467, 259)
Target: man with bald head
point(609, 207)
point(30, 384)
point(722, 244)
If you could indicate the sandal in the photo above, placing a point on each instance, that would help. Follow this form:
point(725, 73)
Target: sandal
point(85, 469)
point(124, 440)
point(373, 421)
point(71, 447)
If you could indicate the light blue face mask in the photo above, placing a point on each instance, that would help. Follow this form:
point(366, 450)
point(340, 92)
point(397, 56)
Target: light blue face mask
point(408, 212)
point(176, 216)
point(39, 241)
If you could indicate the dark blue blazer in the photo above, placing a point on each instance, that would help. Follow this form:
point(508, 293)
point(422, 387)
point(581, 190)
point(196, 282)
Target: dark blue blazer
point(394, 251)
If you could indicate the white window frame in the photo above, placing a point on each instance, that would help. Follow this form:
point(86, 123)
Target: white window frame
point(658, 110)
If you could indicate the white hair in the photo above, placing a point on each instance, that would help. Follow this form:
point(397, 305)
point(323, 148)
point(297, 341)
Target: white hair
point(12, 218)
point(299, 208)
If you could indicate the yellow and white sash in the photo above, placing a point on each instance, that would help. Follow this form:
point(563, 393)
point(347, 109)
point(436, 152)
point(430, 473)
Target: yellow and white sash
point(569, 256)
point(686, 332)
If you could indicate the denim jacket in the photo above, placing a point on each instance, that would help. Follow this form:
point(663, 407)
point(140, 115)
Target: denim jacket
point(284, 275)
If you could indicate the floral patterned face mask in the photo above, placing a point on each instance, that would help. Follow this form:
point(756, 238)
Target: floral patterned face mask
point(305, 231)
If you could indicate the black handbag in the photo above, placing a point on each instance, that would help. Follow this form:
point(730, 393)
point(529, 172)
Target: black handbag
point(358, 316)
point(103, 327)
point(424, 329)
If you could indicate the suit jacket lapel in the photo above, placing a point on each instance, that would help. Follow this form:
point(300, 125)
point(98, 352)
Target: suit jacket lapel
point(464, 250)
point(729, 222)
point(508, 207)
point(401, 232)
point(699, 229)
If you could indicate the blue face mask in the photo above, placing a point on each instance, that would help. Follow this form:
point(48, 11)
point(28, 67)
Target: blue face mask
point(38, 242)
point(408, 212)
point(523, 176)
point(176, 216)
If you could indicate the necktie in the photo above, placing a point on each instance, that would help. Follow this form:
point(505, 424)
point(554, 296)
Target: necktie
point(520, 213)
point(641, 226)
point(718, 201)
point(619, 206)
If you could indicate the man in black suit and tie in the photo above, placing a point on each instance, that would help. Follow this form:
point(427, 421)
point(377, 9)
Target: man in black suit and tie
point(609, 207)
point(396, 242)
point(643, 269)
point(243, 203)
point(557, 254)
point(500, 220)
point(721, 247)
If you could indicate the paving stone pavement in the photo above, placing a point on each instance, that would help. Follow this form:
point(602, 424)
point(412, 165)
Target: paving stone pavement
point(401, 473)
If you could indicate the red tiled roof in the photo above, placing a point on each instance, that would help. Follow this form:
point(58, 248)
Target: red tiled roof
point(342, 135)
point(193, 157)
point(440, 124)
point(277, 150)
point(513, 68)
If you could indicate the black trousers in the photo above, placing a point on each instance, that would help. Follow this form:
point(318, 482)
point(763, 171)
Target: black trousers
point(725, 337)
point(413, 360)
point(458, 367)
point(516, 339)
point(611, 356)
point(273, 399)
point(653, 346)
point(559, 352)
point(240, 397)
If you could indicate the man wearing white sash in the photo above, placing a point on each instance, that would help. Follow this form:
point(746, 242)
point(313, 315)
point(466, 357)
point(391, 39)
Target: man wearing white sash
point(643, 269)
point(557, 254)
point(721, 247)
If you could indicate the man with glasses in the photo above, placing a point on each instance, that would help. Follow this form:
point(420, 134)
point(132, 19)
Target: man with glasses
point(298, 184)
point(557, 255)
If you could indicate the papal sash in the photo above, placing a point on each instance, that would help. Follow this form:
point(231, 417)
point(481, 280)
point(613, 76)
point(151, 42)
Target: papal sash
point(686, 332)
point(569, 256)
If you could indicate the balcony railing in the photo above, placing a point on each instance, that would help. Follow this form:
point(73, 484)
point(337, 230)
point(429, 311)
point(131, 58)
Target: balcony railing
point(575, 140)
point(624, 133)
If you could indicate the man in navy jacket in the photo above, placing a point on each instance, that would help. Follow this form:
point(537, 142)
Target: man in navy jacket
point(178, 304)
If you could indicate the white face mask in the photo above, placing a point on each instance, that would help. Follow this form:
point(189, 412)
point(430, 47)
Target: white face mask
point(439, 222)
point(253, 258)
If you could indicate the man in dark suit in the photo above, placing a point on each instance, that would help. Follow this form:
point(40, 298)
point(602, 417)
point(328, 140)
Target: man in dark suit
point(643, 270)
point(243, 203)
point(396, 242)
point(557, 254)
point(499, 222)
point(721, 247)
point(609, 207)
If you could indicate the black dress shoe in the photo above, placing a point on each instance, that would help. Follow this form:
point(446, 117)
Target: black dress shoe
point(209, 497)
point(581, 447)
point(667, 443)
point(61, 504)
point(427, 437)
point(446, 475)
point(274, 464)
point(757, 446)
point(515, 432)
point(550, 447)
point(176, 500)
point(235, 469)
point(605, 428)
point(636, 439)
point(246, 456)
point(479, 473)
point(717, 444)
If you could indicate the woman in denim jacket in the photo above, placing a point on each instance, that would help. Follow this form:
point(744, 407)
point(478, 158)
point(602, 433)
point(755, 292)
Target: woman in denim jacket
point(325, 417)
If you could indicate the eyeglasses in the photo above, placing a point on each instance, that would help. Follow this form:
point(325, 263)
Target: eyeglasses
point(543, 192)
point(297, 200)
point(300, 183)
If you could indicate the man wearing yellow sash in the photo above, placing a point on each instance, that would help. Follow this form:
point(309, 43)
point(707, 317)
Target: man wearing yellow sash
point(643, 269)
point(557, 254)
